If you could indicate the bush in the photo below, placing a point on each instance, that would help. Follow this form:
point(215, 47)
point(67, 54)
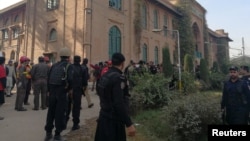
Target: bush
point(188, 116)
point(150, 91)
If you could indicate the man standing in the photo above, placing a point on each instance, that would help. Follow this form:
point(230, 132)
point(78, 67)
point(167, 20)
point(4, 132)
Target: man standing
point(28, 76)
point(58, 87)
point(78, 79)
point(85, 87)
point(39, 75)
point(21, 84)
point(10, 76)
point(235, 99)
point(113, 92)
point(2, 81)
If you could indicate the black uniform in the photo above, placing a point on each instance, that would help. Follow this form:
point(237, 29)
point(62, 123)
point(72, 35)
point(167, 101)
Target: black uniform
point(58, 87)
point(78, 79)
point(235, 100)
point(113, 116)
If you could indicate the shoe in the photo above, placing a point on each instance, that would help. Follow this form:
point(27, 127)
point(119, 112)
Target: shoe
point(27, 103)
point(22, 109)
point(75, 127)
point(8, 95)
point(48, 136)
point(35, 109)
point(1, 118)
point(44, 108)
point(58, 138)
point(91, 105)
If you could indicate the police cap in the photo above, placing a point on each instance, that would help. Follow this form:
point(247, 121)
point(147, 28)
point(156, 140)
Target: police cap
point(117, 59)
point(233, 68)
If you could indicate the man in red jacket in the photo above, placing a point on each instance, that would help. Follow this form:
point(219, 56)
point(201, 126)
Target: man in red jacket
point(2, 81)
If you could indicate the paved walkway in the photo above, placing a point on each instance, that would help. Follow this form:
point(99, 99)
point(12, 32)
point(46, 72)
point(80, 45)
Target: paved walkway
point(29, 125)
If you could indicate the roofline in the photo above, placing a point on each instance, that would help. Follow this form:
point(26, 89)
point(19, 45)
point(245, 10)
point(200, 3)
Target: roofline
point(13, 6)
point(169, 6)
point(211, 32)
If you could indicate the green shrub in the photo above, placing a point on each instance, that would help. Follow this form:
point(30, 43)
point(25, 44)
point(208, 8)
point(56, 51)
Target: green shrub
point(216, 80)
point(150, 91)
point(188, 116)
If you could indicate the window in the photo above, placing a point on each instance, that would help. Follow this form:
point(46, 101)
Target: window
point(15, 32)
point(156, 61)
point(116, 4)
point(144, 16)
point(114, 41)
point(165, 25)
point(52, 35)
point(52, 4)
point(145, 53)
point(16, 19)
point(156, 19)
point(12, 55)
point(5, 34)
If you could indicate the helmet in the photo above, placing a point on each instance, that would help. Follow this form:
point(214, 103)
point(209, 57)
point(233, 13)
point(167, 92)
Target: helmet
point(27, 59)
point(23, 59)
point(46, 58)
point(64, 52)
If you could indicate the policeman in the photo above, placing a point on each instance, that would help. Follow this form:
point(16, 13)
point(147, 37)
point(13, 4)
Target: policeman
point(113, 92)
point(235, 99)
point(58, 88)
point(78, 79)
point(39, 80)
point(244, 71)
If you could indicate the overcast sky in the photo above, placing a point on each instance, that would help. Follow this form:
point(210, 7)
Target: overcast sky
point(230, 15)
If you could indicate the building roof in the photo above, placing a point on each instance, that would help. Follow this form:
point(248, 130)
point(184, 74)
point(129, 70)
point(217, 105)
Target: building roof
point(219, 34)
point(13, 6)
point(169, 6)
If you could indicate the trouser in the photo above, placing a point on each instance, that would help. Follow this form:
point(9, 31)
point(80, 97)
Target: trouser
point(28, 88)
point(109, 130)
point(86, 93)
point(20, 98)
point(56, 114)
point(9, 85)
point(74, 104)
point(2, 98)
point(40, 87)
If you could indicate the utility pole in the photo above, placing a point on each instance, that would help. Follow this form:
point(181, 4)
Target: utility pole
point(243, 46)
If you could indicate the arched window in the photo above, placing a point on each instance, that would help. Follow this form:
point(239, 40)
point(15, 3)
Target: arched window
point(5, 33)
point(156, 19)
point(12, 55)
point(145, 53)
point(52, 35)
point(16, 19)
point(144, 16)
point(116, 4)
point(156, 54)
point(114, 41)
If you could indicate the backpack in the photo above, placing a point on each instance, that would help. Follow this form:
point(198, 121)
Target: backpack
point(58, 73)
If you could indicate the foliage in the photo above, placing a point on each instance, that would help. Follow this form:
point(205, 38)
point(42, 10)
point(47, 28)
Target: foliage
point(215, 67)
point(188, 63)
point(189, 116)
point(189, 84)
point(204, 73)
point(216, 80)
point(166, 62)
point(150, 91)
point(185, 32)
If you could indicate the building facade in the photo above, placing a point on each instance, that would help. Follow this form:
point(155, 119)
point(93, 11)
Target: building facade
point(97, 28)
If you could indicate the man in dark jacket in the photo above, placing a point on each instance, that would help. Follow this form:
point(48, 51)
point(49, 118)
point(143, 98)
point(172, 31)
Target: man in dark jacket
point(58, 88)
point(113, 92)
point(235, 99)
point(78, 79)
